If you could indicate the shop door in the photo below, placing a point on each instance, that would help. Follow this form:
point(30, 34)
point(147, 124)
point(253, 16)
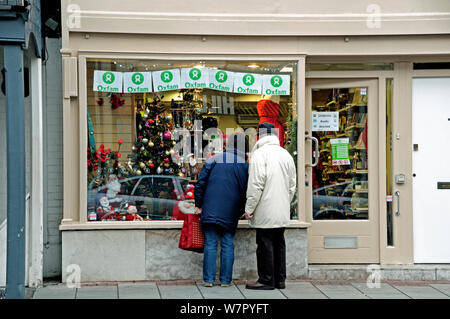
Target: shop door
point(431, 172)
point(342, 178)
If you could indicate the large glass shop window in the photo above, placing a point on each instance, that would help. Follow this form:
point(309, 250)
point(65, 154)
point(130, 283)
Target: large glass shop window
point(340, 179)
point(152, 125)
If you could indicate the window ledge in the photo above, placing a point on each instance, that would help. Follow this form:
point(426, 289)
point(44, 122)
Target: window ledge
point(149, 225)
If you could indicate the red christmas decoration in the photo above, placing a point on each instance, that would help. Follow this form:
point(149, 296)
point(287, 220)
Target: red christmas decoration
point(116, 101)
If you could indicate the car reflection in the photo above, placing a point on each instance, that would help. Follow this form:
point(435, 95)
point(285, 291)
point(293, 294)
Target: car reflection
point(347, 200)
point(154, 196)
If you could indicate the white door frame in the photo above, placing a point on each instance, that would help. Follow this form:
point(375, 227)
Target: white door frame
point(35, 220)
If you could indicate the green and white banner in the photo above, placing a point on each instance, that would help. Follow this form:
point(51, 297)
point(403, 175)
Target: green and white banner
point(166, 80)
point(192, 78)
point(108, 81)
point(275, 84)
point(137, 82)
point(247, 83)
point(339, 151)
point(221, 80)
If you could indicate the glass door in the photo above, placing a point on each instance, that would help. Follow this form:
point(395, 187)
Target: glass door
point(342, 188)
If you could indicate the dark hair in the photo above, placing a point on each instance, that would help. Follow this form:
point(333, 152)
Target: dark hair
point(238, 141)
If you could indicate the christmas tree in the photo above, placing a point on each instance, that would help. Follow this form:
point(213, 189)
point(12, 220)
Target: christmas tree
point(153, 147)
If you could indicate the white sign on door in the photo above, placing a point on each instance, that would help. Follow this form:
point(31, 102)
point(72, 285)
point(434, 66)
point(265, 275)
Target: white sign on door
point(137, 82)
point(325, 121)
point(275, 84)
point(107, 81)
point(248, 83)
point(166, 80)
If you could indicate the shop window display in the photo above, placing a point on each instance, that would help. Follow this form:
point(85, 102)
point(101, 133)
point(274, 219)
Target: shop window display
point(141, 114)
point(340, 179)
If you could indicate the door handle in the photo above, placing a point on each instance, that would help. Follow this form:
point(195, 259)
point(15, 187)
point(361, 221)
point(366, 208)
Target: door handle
point(316, 153)
point(397, 193)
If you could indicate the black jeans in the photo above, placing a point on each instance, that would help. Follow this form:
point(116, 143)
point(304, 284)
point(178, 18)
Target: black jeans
point(271, 255)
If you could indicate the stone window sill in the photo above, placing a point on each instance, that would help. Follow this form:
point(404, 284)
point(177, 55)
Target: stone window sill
point(67, 225)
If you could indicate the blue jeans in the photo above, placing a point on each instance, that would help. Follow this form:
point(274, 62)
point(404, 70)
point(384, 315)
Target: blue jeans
point(212, 235)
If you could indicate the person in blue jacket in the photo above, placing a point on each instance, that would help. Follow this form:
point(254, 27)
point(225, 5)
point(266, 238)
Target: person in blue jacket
point(220, 196)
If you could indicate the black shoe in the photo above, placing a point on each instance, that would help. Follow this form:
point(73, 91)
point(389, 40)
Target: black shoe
point(280, 285)
point(258, 286)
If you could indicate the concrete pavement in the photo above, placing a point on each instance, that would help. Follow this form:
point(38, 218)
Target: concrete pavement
point(306, 289)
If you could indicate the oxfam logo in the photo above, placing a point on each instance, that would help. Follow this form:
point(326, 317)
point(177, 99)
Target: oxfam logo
point(108, 77)
point(248, 79)
point(195, 74)
point(137, 78)
point(166, 76)
point(221, 76)
point(276, 81)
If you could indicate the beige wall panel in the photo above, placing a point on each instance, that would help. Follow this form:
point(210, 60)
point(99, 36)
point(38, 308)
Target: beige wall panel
point(338, 254)
point(266, 17)
point(258, 6)
point(142, 44)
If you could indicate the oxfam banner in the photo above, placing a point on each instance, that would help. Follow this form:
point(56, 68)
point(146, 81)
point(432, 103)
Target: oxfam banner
point(221, 80)
point(275, 84)
point(166, 80)
point(192, 78)
point(247, 83)
point(137, 82)
point(108, 81)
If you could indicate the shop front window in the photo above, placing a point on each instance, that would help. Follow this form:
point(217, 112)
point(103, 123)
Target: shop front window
point(152, 125)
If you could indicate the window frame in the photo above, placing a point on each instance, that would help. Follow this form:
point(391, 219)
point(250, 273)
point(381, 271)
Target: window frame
point(83, 58)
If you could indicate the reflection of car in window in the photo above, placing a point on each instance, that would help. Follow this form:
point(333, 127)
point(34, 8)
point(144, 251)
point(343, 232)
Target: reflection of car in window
point(341, 201)
point(153, 195)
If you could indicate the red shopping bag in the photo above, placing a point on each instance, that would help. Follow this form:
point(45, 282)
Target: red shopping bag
point(191, 237)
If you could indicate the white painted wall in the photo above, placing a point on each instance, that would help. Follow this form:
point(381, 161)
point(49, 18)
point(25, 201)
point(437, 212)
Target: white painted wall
point(53, 154)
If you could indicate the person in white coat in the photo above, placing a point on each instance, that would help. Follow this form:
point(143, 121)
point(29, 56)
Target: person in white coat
point(270, 190)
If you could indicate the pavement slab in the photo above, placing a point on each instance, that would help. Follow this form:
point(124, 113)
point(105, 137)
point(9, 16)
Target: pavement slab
point(341, 292)
point(138, 291)
point(421, 292)
point(55, 292)
point(180, 292)
point(97, 292)
point(217, 292)
point(302, 290)
point(293, 290)
point(444, 288)
point(385, 291)
point(261, 294)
